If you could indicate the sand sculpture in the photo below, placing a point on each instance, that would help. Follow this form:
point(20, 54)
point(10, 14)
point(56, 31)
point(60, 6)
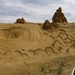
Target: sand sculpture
point(59, 16)
point(20, 20)
point(47, 25)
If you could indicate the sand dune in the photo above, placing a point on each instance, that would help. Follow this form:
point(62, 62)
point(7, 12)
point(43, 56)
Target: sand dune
point(26, 48)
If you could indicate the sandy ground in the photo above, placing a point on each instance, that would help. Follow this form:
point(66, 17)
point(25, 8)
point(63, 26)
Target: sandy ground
point(27, 49)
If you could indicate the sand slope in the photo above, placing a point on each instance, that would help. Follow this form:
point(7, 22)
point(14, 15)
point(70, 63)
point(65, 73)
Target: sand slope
point(26, 49)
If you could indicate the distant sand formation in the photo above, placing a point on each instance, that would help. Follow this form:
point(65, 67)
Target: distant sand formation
point(20, 20)
point(47, 25)
point(59, 16)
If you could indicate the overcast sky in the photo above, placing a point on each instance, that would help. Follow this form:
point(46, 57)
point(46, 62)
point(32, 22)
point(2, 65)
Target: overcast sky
point(35, 10)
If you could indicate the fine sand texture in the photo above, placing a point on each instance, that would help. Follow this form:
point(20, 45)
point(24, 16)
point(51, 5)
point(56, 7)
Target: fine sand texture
point(27, 49)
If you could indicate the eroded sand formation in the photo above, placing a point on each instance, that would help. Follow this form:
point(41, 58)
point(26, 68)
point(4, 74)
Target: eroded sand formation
point(20, 20)
point(47, 25)
point(59, 16)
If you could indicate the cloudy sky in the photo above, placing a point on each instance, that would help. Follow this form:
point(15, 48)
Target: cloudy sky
point(35, 10)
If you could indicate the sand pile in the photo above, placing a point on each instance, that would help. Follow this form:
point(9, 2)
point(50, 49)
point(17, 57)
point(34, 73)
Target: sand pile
point(47, 25)
point(20, 20)
point(59, 16)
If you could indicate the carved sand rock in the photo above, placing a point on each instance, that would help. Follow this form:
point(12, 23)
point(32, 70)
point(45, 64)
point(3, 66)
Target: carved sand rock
point(21, 21)
point(47, 25)
point(59, 16)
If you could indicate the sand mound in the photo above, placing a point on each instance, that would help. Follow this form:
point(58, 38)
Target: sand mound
point(59, 16)
point(47, 25)
point(49, 50)
point(20, 20)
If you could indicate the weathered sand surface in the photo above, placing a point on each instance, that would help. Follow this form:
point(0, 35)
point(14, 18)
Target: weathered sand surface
point(26, 49)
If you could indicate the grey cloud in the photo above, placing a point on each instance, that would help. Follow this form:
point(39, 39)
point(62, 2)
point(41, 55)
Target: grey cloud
point(36, 2)
point(41, 2)
point(68, 14)
point(12, 11)
point(34, 10)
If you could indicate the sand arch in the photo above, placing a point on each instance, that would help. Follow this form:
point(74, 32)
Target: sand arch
point(39, 52)
point(62, 30)
point(49, 50)
point(8, 53)
point(18, 52)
